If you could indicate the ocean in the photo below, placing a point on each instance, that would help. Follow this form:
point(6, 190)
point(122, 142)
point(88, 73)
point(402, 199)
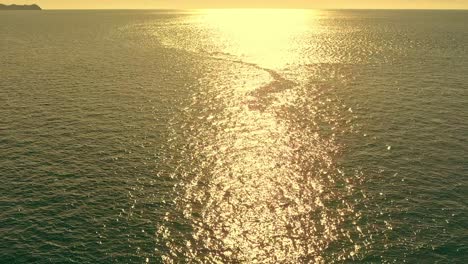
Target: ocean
point(234, 136)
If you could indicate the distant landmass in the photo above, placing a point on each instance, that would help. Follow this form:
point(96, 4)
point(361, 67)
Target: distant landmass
point(20, 7)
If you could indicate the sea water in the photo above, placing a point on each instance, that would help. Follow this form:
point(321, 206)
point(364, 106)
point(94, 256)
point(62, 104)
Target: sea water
point(233, 136)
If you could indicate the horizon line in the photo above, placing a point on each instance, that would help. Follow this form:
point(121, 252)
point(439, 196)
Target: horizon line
point(265, 8)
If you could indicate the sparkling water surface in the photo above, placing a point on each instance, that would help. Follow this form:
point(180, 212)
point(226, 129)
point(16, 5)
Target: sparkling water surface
point(233, 136)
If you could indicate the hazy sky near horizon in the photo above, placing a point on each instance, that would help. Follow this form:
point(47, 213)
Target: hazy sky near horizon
point(142, 4)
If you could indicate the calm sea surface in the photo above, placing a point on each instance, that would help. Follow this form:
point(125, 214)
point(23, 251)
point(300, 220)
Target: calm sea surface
point(235, 136)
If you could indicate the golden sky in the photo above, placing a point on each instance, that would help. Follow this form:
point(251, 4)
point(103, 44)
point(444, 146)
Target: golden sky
point(142, 4)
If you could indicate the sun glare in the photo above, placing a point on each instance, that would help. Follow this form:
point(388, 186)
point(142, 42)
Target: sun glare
point(267, 37)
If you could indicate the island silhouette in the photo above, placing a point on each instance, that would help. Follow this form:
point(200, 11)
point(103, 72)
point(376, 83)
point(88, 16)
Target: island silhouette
point(20, 7)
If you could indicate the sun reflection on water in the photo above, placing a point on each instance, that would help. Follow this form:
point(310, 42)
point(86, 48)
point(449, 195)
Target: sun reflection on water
point(258, 181)
point(266, 37)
